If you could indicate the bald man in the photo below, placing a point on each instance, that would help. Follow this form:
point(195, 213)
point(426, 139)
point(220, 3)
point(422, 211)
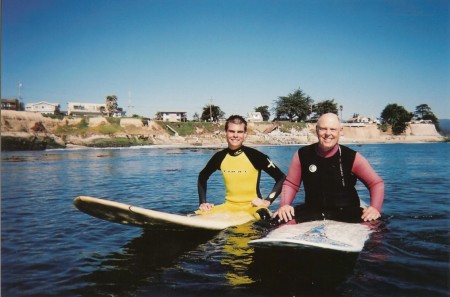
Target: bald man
point(329, 172)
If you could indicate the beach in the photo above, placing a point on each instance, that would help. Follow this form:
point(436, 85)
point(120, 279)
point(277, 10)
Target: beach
point(33, 131)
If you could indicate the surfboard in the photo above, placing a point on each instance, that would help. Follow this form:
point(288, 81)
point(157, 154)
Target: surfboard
point(126, 214)
point(325, 234)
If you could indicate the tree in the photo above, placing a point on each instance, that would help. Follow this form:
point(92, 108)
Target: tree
point(111, 104)
point(196, 117)
point(264, 110)
point(423, 112)
point(325, 106)
point(396, 116)
point(296, 105)
point(212, 112)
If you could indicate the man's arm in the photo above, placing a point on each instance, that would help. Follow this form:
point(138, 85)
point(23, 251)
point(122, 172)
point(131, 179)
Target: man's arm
point(278, 177)
point(262, 162)
point(364, 172)
point(212, 165)
point(290, 188)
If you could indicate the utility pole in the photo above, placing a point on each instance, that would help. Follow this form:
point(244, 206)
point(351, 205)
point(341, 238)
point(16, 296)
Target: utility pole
point(129, 103)
point(20, 90)
point(210, 110)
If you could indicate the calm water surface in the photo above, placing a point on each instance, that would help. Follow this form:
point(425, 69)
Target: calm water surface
point(49, 248)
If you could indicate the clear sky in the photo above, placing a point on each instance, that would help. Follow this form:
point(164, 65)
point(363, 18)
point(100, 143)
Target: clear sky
point(181, 55)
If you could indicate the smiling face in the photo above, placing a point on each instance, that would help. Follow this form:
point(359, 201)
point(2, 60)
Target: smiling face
point(328, 131)
point(235, 135)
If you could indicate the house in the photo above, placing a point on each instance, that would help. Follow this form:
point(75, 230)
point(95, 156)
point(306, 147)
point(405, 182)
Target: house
point(119, 113)
point(86, 109)
point(254, 117)
point(171, 116)
point(43, 107)
point(417, 121)
point(359, 121)
point(12, 104)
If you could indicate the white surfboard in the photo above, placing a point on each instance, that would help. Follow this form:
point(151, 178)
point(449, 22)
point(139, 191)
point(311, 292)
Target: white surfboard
point(326, 234)
point(156, 220)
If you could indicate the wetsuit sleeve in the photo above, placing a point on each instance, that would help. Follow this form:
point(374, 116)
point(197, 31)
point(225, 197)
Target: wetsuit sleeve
point(263, 162)
point(212, 165)
point(293, 180)
point(365, 173)
point(278, 176)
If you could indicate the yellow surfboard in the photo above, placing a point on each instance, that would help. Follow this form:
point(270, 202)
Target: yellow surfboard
point(156, 220)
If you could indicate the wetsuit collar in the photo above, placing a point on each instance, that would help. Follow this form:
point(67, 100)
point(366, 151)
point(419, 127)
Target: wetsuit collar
point(326, 154)
point(235, 152)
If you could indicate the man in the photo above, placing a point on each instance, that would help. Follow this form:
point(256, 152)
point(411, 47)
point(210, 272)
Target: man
point(329, 172)
point(241, 169)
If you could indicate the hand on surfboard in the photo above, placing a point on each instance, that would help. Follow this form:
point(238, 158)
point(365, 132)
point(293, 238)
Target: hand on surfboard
point(206, 206)
point(285, 213)
point(370, 214)
point(260, 202)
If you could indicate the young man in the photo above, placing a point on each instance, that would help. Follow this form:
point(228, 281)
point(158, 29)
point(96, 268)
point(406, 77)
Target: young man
point(241, 168)
point(329, 172)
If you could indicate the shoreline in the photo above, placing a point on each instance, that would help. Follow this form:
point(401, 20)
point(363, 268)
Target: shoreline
point(23, 131)
point(22, 141)
point(218, 147)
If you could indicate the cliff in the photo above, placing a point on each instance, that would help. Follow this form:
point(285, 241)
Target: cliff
point(32, 131)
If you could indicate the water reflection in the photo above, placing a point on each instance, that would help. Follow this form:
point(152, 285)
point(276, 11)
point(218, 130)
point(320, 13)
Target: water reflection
point(237, 254)
point(301, 272)
point(137, 263)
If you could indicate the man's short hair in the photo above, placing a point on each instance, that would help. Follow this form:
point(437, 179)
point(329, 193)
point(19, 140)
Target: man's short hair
point(236, 119)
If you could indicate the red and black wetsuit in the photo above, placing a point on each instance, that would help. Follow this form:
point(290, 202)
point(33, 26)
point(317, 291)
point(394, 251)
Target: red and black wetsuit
point(329, 180)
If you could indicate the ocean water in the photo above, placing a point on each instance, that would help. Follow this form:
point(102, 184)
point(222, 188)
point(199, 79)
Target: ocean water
point(49, 248)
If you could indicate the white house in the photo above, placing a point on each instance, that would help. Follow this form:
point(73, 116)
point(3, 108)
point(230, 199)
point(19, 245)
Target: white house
point(171, 116)
point(86, 109)
point(43, 107)
point(254, 117)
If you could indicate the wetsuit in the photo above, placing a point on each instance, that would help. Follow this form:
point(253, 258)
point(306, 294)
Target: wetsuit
point(241, 170)
point(329, 180)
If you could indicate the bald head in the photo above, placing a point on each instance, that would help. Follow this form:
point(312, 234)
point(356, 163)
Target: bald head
point(328, 131)
point(329, 119)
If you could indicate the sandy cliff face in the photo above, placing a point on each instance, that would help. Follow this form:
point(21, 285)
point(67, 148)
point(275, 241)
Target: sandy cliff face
point(26, 130)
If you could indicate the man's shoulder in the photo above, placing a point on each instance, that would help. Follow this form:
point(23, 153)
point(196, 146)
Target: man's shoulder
point(252, 151)
point(309, 147)
point(221, 153)
point(346, 148)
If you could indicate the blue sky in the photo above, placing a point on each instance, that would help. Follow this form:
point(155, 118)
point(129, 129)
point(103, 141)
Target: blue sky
point(181, 55)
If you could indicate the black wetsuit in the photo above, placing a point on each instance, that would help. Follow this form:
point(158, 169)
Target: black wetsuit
point(329, 186)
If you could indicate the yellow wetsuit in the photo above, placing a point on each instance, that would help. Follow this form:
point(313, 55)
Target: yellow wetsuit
point(241, 170)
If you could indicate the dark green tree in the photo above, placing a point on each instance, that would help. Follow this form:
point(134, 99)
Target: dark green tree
point(295, 106)
point(325, 106)
point(212, 112)
point(423, 112)
point(264, 110)
point(396, 116)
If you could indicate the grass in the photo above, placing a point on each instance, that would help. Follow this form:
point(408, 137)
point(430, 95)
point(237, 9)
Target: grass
point(82, 128)
point(190, 128)
point(287, 126)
